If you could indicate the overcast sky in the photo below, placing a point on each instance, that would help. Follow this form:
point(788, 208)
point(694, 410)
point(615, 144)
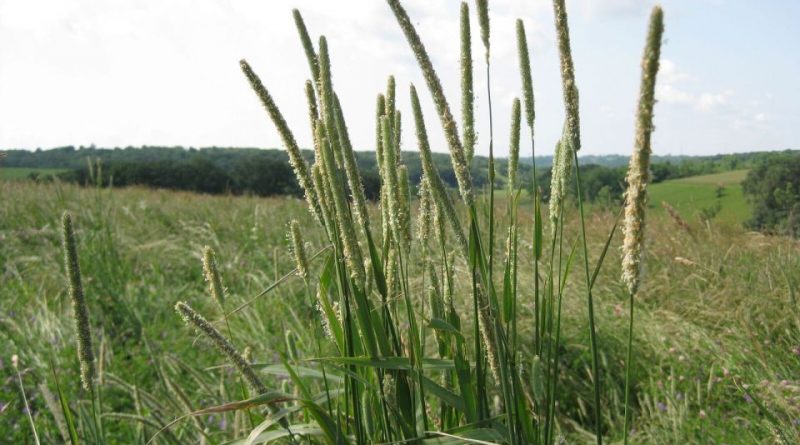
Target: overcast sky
point(165, 72)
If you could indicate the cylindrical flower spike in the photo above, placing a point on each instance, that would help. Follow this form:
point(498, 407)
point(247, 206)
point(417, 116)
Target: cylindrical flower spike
point(295, 156)
point(308, 47)
point(212, 277)
point(326, 96)
point(391, 181)
point(457, 155)
point(190, 316)
point(351, 168)
point(80, 312)
point(483, 20)
point(299, 249)
point(313, 113)
point(570, 89)
point(352, 251)
point(425, 204)
point(638, 170)
point(561, 172)
point(467, 95)
point(513, 149)
point(404, 204)
point(440, 197)
point(525, 73)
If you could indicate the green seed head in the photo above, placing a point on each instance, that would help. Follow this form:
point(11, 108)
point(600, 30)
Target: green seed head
point(308, 47)
point(457, 154)
point(467, 95)
point(442, 202)
point(212, 277)
point(513, 149)
point(191, 317)
point(299, 249)
point(295, 157)
point(570, 89)
point(80, 312)
point(483, 19)
point(525, 73)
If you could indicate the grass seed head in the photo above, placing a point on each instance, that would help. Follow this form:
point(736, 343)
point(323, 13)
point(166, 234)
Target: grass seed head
point(467, 94)
point(296, 158)
point(212, 277)
point(457, 155)
point(569, 87)
point(513, 149)
point(525, 73)
point(483, 20)
point(80, 311)
point(638, 170)
point(299, 249)
point(192, 317)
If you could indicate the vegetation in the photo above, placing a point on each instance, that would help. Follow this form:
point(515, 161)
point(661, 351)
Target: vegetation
point(717, 197)
point(774, 189)
point(485, 321)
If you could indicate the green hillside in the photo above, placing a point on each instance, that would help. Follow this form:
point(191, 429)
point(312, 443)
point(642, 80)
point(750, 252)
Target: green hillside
point(691, 196)
point(18, 173)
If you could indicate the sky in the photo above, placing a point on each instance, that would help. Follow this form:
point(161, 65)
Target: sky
point(154, 72)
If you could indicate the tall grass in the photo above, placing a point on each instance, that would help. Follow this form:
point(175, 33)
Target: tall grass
point(401, 335)
point(380, 329)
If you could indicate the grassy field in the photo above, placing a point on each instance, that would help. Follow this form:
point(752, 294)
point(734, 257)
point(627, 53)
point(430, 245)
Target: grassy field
point(18, 173)
point(694, 195)
point(717, 335)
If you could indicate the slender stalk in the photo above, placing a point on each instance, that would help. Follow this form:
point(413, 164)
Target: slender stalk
point(628, 363)
point(590, 304)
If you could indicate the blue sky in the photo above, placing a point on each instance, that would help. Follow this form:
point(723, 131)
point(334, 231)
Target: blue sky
point(135, 72)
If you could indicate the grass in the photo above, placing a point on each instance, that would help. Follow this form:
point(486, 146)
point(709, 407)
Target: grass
point(711, 328)
point(21, 173)
point(690, 196)
point(444, 334)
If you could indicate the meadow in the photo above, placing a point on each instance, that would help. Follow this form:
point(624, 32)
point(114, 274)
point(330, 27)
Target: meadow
point(439, 316)
point(22, 173)
point(719, 342)
point(719, 194)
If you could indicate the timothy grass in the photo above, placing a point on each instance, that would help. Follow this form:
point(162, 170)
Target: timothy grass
point(491, 323)
point(710, 328)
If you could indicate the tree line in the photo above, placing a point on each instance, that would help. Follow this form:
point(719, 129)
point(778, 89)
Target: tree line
point(266, 172)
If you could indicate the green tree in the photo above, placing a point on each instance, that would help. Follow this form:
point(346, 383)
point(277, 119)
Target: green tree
point(773, 187)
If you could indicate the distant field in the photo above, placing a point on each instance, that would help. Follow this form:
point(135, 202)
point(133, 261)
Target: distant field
point(690, 196)
point(17, 173)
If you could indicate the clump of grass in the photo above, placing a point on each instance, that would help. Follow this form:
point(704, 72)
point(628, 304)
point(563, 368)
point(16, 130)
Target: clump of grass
point(417, 336)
